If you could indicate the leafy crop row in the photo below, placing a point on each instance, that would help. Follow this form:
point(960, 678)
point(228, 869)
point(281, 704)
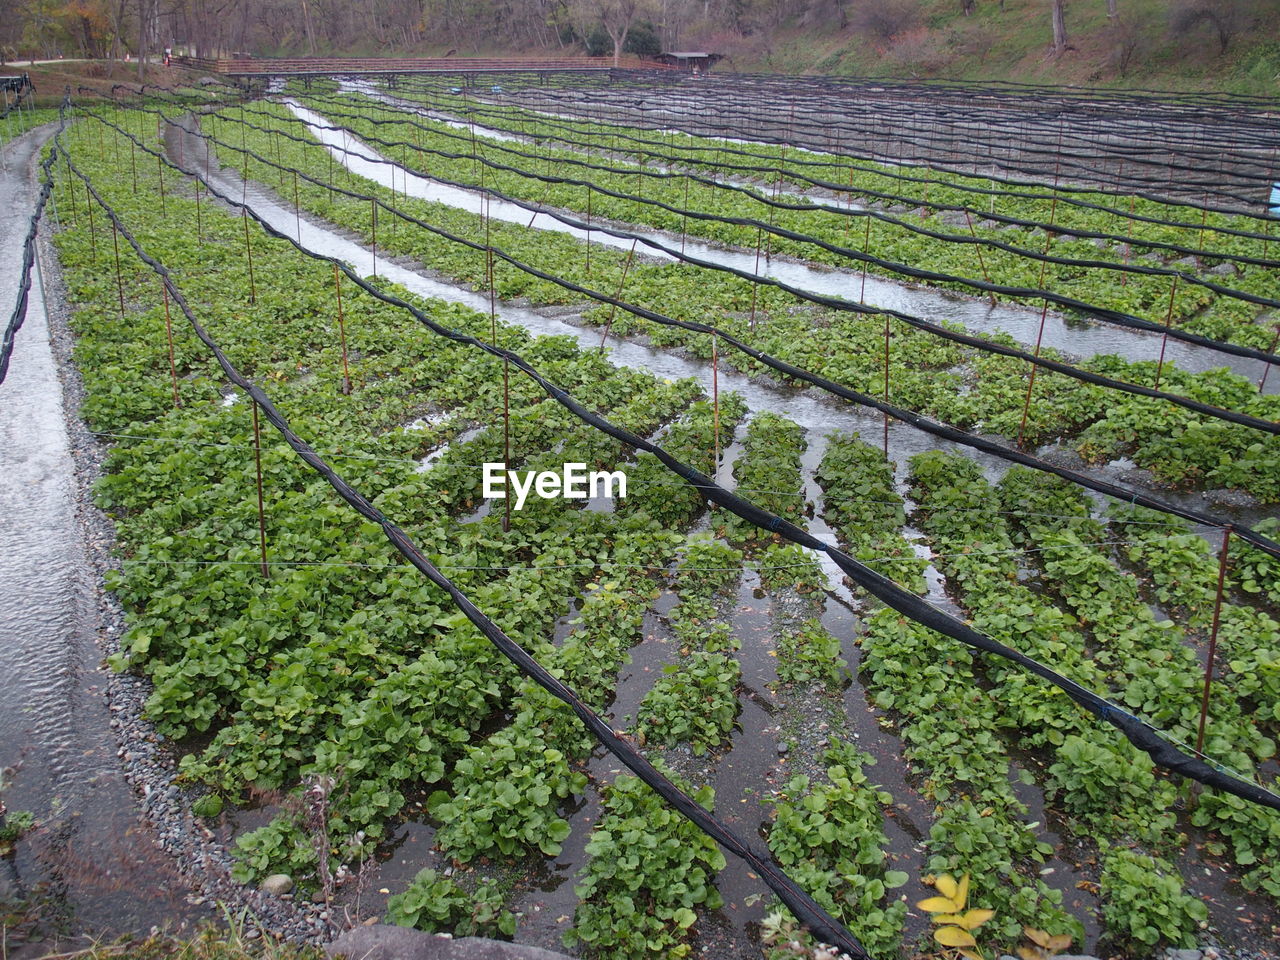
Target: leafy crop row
point(986, 393)
point(892, 239)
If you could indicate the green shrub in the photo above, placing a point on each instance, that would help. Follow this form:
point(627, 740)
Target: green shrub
point(435, 903)
point(1143, 902)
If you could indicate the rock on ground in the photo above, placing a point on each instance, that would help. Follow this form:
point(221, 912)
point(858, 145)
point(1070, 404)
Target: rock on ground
point(385, 942)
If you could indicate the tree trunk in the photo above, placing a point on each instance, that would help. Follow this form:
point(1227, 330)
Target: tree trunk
point(1059, 27)
point(619, 41)
point(310, 29)
point(142, 40)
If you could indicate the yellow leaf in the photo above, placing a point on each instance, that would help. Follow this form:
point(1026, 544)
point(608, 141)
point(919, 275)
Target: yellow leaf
point(939, 905)
point(1059, 942)
point(1039, 937)
point(962, 895)
point(976, 918)
point(948, 918)
point(954, 937)
point(947, 886)
point(1031, 953)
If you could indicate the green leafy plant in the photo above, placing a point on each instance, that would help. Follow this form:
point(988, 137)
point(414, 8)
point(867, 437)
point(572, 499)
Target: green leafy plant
point(694, 701)
point(650, 872)
point(436, 903)
point(1144, 904)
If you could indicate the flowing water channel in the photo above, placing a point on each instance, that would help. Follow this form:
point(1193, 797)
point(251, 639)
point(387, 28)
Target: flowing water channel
point(81, 869)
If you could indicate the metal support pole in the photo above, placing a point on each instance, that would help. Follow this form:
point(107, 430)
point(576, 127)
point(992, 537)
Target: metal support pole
point(982, 262)
point(886, 383)
point(613, 307)
point(168, 329)
point(1223, 559)
point(1275, 342)
point(866, 242)
point(342, 332)
point(715, 397)
point(248, 252)
point(1168, 322)
point(93, 234)
point(257, 462)
point(115, 243)
point(684, 216)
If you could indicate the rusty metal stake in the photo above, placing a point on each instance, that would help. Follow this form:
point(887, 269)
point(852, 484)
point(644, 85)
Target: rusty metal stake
point(1128, 245)
point(1044, 312)
point(342, 332)
point(168, 329)
point(684, 215)
point(160, 167)
point(373, 226)
point(1204, 216)
point(93, 234)
point(848, 220)
point(257, 462)
point(886, 384)
point(982, 261)
point(1168, 322)
point(866, 242)
point(248, 251)
point(1223, 559)
point(506, 367)
point(71, 190)
point(613, 307)
point(297, 211)
point(115, 243)
point(755, 284)
point(1275, 342)
point(715, 397)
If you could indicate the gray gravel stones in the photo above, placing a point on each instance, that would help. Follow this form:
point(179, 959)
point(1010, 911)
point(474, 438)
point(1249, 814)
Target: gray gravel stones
point(384, 942)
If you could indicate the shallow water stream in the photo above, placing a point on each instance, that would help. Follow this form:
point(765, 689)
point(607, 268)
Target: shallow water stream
point(82, 868)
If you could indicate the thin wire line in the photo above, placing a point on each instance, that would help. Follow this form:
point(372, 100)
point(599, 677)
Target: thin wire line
point(1184, 525)
point(649, 566)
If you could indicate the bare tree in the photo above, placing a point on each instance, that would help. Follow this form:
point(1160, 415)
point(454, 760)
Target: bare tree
point(1223, 17)
point(885, 20)
point(1059, 15)
point(615, 16)
point(1125, 34)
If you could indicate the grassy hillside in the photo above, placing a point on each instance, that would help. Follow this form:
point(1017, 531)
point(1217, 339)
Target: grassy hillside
point(1012, 41)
